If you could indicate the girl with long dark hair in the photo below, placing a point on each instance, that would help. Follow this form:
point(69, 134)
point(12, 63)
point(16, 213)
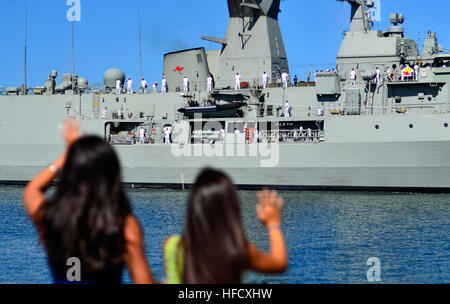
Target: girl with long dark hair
point(89, 216)
point(213, 247)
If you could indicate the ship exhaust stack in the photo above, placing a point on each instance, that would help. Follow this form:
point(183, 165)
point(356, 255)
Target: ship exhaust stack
point(359, 20)
point(253, 43)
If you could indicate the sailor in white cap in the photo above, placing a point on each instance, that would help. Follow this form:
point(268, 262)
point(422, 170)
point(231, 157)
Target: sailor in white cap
point(377, 75)
point(155, 87)
point(185, 84)
point(209, 83)
point(142, 135)
point(353, 76)
point(118, 85)
point(237, 82)
point(129, 86)
point(284, 78)
point(144, 85)
point(265, 78)
point(287, 109)
point(164, 85)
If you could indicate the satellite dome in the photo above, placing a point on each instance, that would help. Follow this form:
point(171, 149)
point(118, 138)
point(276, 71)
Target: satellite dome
point(110, 77)
point(82, 83)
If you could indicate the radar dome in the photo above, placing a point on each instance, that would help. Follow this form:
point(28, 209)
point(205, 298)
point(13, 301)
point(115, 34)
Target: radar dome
point(83, 83)
point(110, 77)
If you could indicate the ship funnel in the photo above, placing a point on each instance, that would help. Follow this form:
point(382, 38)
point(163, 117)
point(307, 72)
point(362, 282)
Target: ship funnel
point(252, 8)
point(359, 19)
point(253, 44)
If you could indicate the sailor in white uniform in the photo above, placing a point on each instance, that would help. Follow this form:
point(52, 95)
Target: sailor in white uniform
point(155, 87)
point(144, 86)
point(287, 109)
point(416, 72)
point(186, 84)
point(377, 75)
point(209, 83)
point(118, 85)
point(237, 82)
point(164, 85)
point(284, 79)
point(142, 135)
point(300, 133)
point(265, 78)
point(167, 133)
point(129, 86)
point(353, 76)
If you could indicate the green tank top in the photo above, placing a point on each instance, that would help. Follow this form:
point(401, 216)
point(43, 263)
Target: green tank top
point(173, 259)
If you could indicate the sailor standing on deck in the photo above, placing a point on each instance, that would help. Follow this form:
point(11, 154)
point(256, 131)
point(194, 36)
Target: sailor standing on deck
point(155, 87)
point(287, 109)
point(353, 76)
point(129, 86)
point(209, 83)
point(284, 78)
point(416, 71)
point(144, 86)
point(164, 85)
point(377, 75)
point(118, 85)
point(167, 135)
point(265, 78)
point(237, 82)
point(186, 84)
point(142, 135)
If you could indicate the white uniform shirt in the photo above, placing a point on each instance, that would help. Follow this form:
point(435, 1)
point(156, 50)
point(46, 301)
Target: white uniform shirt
point(209, 82)
point(352, 74)
point(265, 80)
point(237, 79)
point(185, 84)
point(130, 83)
point(143, 84)
point(164, 85)
point(286, 110)
point(284, 77)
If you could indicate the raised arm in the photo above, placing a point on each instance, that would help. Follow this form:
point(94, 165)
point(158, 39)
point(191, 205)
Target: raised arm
point(135, 254)
point(33, 195)
point(269, 213)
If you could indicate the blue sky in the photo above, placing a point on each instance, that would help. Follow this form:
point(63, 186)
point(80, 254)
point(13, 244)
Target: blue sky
point(107, 35)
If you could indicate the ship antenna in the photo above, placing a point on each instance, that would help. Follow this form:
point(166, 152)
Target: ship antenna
point(140, 44)
point(25, 90)
point(73, 52)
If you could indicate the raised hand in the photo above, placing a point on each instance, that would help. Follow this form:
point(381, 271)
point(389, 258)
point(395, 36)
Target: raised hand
point(71, 131)
point(269, 207)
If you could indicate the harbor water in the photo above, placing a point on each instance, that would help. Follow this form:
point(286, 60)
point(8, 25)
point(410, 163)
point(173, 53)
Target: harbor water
point(330, 235)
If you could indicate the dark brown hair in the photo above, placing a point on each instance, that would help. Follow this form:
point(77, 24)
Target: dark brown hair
point(215, 247)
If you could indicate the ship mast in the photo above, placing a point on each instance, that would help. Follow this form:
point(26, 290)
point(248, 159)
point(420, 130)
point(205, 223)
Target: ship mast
point(25, 89)
point(140, 45)
point(73, 52)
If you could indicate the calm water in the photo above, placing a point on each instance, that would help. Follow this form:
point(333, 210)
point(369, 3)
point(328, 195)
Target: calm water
point(329, 235)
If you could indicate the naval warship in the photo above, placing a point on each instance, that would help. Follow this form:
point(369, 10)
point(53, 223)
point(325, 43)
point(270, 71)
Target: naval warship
point(378, 120)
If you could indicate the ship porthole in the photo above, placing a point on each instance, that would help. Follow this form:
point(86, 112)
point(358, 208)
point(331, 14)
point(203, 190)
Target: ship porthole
point(446, 125)
point(377, 127)
point(411, 126)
